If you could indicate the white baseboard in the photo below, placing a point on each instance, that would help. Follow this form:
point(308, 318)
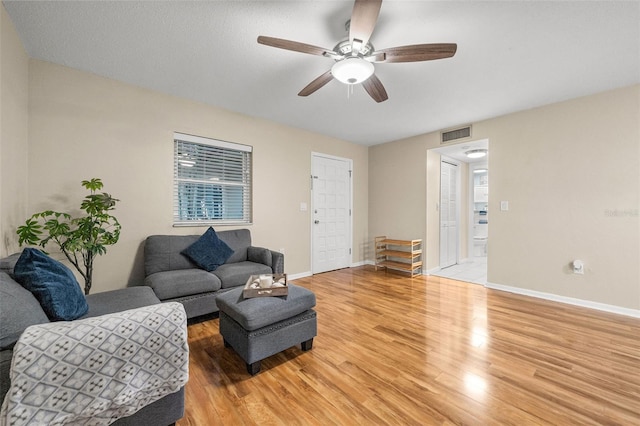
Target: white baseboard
point(291, 277)
point(568, 300)
point(431, 271)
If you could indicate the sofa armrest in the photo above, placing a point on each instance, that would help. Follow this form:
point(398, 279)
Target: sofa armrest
point(271, 258)
point(109, 302)
point(259, 255)
point(277, 262)
point(101, 368)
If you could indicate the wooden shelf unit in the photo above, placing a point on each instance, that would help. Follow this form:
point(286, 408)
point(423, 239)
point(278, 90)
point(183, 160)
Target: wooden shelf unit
point(400, 255)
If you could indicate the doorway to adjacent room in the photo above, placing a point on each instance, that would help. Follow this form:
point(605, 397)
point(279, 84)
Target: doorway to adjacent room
point(463, 211)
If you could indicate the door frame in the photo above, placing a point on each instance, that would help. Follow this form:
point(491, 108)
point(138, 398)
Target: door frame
point(311, 210)
point(458, 164)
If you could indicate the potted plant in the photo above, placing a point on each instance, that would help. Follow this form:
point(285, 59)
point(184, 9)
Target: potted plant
point(81, 238)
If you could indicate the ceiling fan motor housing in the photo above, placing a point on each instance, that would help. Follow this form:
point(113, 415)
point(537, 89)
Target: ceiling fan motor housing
point(345, 48)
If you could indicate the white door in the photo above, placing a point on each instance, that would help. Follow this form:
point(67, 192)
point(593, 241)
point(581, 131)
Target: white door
point(331, 213)
point(448, 214)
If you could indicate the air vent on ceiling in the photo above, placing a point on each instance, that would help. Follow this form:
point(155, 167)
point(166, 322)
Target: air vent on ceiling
point(455, 134)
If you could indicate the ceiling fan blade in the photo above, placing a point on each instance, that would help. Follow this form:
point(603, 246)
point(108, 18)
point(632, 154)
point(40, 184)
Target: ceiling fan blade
point(375, 89)
point(316, 84)
point(363, 19)
point(375, 57)
point(294, 45)
point(419, 52)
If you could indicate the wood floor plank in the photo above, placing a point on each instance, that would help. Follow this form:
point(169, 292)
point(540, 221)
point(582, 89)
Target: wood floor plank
point(425, 350)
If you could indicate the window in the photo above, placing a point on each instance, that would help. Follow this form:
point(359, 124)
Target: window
point(212, 181)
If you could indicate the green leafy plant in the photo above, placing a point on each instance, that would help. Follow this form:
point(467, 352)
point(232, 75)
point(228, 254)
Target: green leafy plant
point(82, 238)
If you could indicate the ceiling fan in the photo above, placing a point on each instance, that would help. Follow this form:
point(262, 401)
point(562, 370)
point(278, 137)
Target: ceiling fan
point(355, 56)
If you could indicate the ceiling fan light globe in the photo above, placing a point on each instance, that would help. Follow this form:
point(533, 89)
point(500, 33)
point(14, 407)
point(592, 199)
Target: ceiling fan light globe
point(352, 70)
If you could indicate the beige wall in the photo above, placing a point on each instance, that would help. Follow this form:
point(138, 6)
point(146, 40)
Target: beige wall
point(571, 174)
point(82, 126)
point(13, 134)
point(397, 196)
point(565, 170)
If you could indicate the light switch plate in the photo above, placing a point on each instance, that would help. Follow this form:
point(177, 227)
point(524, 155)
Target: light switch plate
point(504, 206)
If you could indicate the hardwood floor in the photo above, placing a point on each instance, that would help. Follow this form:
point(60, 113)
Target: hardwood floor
point(427, 350)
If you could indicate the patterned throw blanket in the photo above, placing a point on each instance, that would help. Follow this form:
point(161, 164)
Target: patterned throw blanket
point(97, 370)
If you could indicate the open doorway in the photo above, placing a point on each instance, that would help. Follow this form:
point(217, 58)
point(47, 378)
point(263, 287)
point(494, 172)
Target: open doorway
point(473, 225)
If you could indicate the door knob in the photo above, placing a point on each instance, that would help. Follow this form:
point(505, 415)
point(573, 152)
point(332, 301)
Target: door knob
point(316, 221)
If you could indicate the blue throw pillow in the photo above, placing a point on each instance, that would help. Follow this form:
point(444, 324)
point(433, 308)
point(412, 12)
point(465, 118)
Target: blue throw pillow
point(209, 251)
point(52, 283)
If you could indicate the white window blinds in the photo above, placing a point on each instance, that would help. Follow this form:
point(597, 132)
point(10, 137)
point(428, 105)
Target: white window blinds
point(212, 181)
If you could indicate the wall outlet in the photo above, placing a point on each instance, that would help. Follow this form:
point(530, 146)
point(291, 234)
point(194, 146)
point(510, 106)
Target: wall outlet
point(578, 267)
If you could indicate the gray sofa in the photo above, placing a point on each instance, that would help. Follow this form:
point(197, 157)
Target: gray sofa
point(20, 309)
point(174, 277)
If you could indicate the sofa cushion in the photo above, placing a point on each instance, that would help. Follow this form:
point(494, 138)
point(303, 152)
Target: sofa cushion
point(18, 310)
point(183, 282)
point(5, 369)
point(8, 263)
point(209, 251)
point(239, 240)
point(52, 283)
point(236, 274)
point(163, 253)
point(258, 312)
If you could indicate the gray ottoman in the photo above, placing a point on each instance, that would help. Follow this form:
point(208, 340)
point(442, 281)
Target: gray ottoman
point(259, 327)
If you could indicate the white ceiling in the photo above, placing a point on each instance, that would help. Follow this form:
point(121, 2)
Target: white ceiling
point(511, 56)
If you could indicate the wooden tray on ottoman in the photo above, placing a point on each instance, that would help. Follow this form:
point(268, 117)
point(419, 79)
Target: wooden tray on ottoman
point(252, 287)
